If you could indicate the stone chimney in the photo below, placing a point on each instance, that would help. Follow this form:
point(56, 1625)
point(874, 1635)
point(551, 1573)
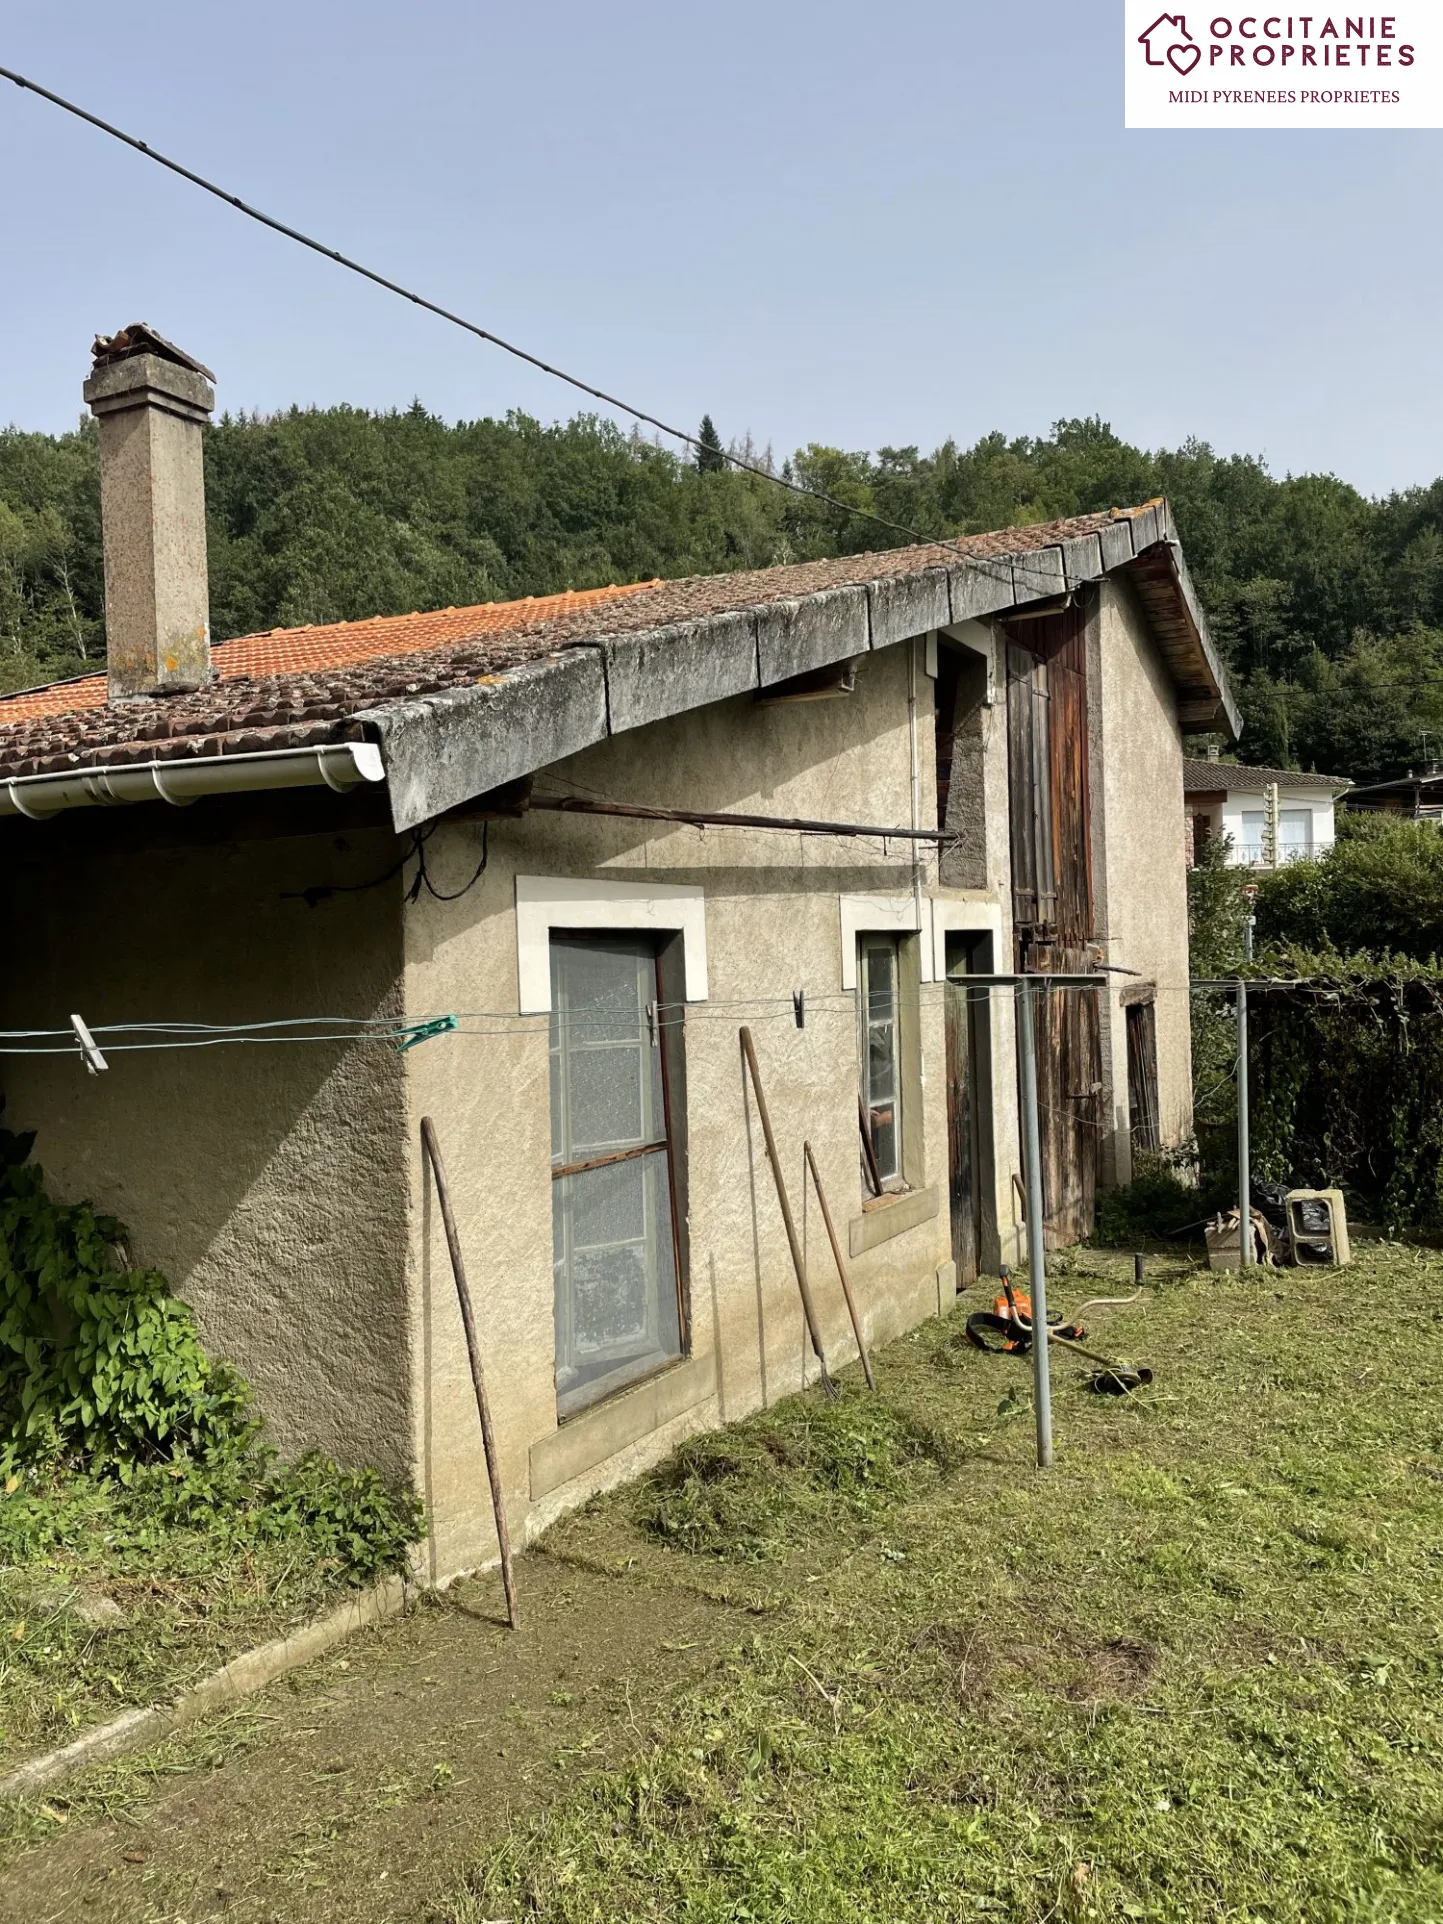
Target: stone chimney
point(152, 401)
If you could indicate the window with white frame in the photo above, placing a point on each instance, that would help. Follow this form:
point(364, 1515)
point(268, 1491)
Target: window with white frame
point(879, 1009)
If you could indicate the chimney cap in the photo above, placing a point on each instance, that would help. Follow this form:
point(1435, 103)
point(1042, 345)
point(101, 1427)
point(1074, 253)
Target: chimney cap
point(141, 338)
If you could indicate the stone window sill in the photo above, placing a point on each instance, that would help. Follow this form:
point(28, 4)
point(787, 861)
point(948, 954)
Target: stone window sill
point(888, 1216)
point(593, 1436)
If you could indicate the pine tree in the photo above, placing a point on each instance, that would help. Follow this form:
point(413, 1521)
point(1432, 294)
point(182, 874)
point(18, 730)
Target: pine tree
point(709, 456)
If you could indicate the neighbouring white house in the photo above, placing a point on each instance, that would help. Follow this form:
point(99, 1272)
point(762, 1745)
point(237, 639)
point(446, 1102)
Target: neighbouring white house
point(1270, 815)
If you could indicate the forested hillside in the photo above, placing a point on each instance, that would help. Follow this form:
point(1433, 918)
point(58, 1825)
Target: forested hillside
point(1328, 605)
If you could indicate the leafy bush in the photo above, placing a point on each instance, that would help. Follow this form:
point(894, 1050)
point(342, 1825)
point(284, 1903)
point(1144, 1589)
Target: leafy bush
point(1216, 910)
point(95, 1356)
point(1166, 1198)
point(1378, 890)
point(1348, 1082)
point(103, 1376)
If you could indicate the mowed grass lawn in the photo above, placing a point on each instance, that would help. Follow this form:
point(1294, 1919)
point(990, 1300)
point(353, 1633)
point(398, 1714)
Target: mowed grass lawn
point(1192, 1673)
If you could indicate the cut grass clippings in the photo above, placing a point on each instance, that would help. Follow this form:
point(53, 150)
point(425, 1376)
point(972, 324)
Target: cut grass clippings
point(1193, 1674)
point(114, 1595)
point(753, 1492)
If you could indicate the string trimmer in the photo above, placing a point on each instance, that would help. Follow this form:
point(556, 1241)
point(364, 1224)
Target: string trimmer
point(1011, 1318)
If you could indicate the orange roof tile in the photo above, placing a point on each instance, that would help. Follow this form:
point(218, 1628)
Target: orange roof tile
point(339, 644)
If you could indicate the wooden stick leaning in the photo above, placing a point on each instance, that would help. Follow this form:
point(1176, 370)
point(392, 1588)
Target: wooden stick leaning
point(874, 1174)
point(841, 1266)
point(432, 1149)
point(749, 1056)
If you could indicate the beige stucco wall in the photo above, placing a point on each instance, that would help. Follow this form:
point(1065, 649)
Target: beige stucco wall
point(772, 926)
point(1140, 866)
point(282, 1189)
point(266, 1182)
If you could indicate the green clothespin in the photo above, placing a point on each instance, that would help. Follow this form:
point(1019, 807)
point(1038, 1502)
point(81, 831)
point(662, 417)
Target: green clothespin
point(423, 1032)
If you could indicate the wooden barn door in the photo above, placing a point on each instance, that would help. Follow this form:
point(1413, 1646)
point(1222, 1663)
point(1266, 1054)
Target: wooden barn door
point(1052, 901)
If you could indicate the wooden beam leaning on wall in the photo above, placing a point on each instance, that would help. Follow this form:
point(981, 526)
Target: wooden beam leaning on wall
point(432, 1150)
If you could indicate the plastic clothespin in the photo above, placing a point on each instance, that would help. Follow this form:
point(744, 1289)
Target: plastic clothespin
point(89, 1049)
point(423, 1032)
point(799, 1007)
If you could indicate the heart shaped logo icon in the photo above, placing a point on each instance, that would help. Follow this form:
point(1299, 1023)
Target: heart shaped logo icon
point(1184, 58)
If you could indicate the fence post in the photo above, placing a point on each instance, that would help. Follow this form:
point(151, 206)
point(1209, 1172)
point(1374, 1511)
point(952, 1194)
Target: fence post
point(1032, 1169)
point(1245, 1169)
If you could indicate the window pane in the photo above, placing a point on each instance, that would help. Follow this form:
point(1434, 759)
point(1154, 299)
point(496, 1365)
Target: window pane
point(614, 1255)
point(608, 1206)
point(1253, 845)
point(606, 1099)
point(615, 1278)
point(611, 1304)
point(1295, 831)
point(880, 976)
point(881, 1083)
point(600, 989)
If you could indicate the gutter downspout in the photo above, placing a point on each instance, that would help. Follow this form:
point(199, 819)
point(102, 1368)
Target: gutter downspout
point(335, 765)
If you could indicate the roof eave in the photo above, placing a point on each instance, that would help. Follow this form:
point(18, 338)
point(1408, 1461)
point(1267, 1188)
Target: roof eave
point(1159, 573)
point(444, 749)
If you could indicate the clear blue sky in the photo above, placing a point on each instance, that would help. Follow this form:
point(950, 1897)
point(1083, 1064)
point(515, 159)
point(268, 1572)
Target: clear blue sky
point(852, 223)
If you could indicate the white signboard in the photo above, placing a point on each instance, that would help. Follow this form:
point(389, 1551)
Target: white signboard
point(1334, 67)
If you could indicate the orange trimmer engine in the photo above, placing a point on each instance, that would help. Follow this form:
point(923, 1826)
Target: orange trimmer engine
point(1010, 1318)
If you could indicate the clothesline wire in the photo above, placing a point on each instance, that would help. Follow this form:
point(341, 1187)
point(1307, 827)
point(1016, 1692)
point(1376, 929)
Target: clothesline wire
point(336, 1030)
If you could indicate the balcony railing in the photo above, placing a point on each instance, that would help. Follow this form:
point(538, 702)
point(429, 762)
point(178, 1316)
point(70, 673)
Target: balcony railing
point(1255, 854)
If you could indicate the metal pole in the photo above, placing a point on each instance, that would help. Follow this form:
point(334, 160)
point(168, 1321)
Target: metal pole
point(473, 1350)
point(1245, 1169)
point(1032, 1169)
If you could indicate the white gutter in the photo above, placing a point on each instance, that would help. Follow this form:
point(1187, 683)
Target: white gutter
point(338, 765)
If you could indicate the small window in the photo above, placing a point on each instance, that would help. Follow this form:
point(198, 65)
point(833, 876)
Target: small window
point(615, 1251)
point(1253, 849)
point(879, 1008)
point(1142, 1075)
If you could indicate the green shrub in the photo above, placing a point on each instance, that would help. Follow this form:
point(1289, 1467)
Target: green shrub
point(103, 1378)
point(1166, 1199)
point(1378, 890)
point(1347, 1082)
point(96, 1357)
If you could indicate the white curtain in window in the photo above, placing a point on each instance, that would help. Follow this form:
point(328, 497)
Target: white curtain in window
point(1295, 833)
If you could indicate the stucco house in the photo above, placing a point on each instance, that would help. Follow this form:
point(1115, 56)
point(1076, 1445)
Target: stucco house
point(1271, 816)
point(497, 836)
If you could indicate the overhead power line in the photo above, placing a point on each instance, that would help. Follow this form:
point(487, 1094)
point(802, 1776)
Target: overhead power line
point(981, 562)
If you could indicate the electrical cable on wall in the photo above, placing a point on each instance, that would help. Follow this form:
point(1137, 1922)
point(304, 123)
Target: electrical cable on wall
point(320, 892)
